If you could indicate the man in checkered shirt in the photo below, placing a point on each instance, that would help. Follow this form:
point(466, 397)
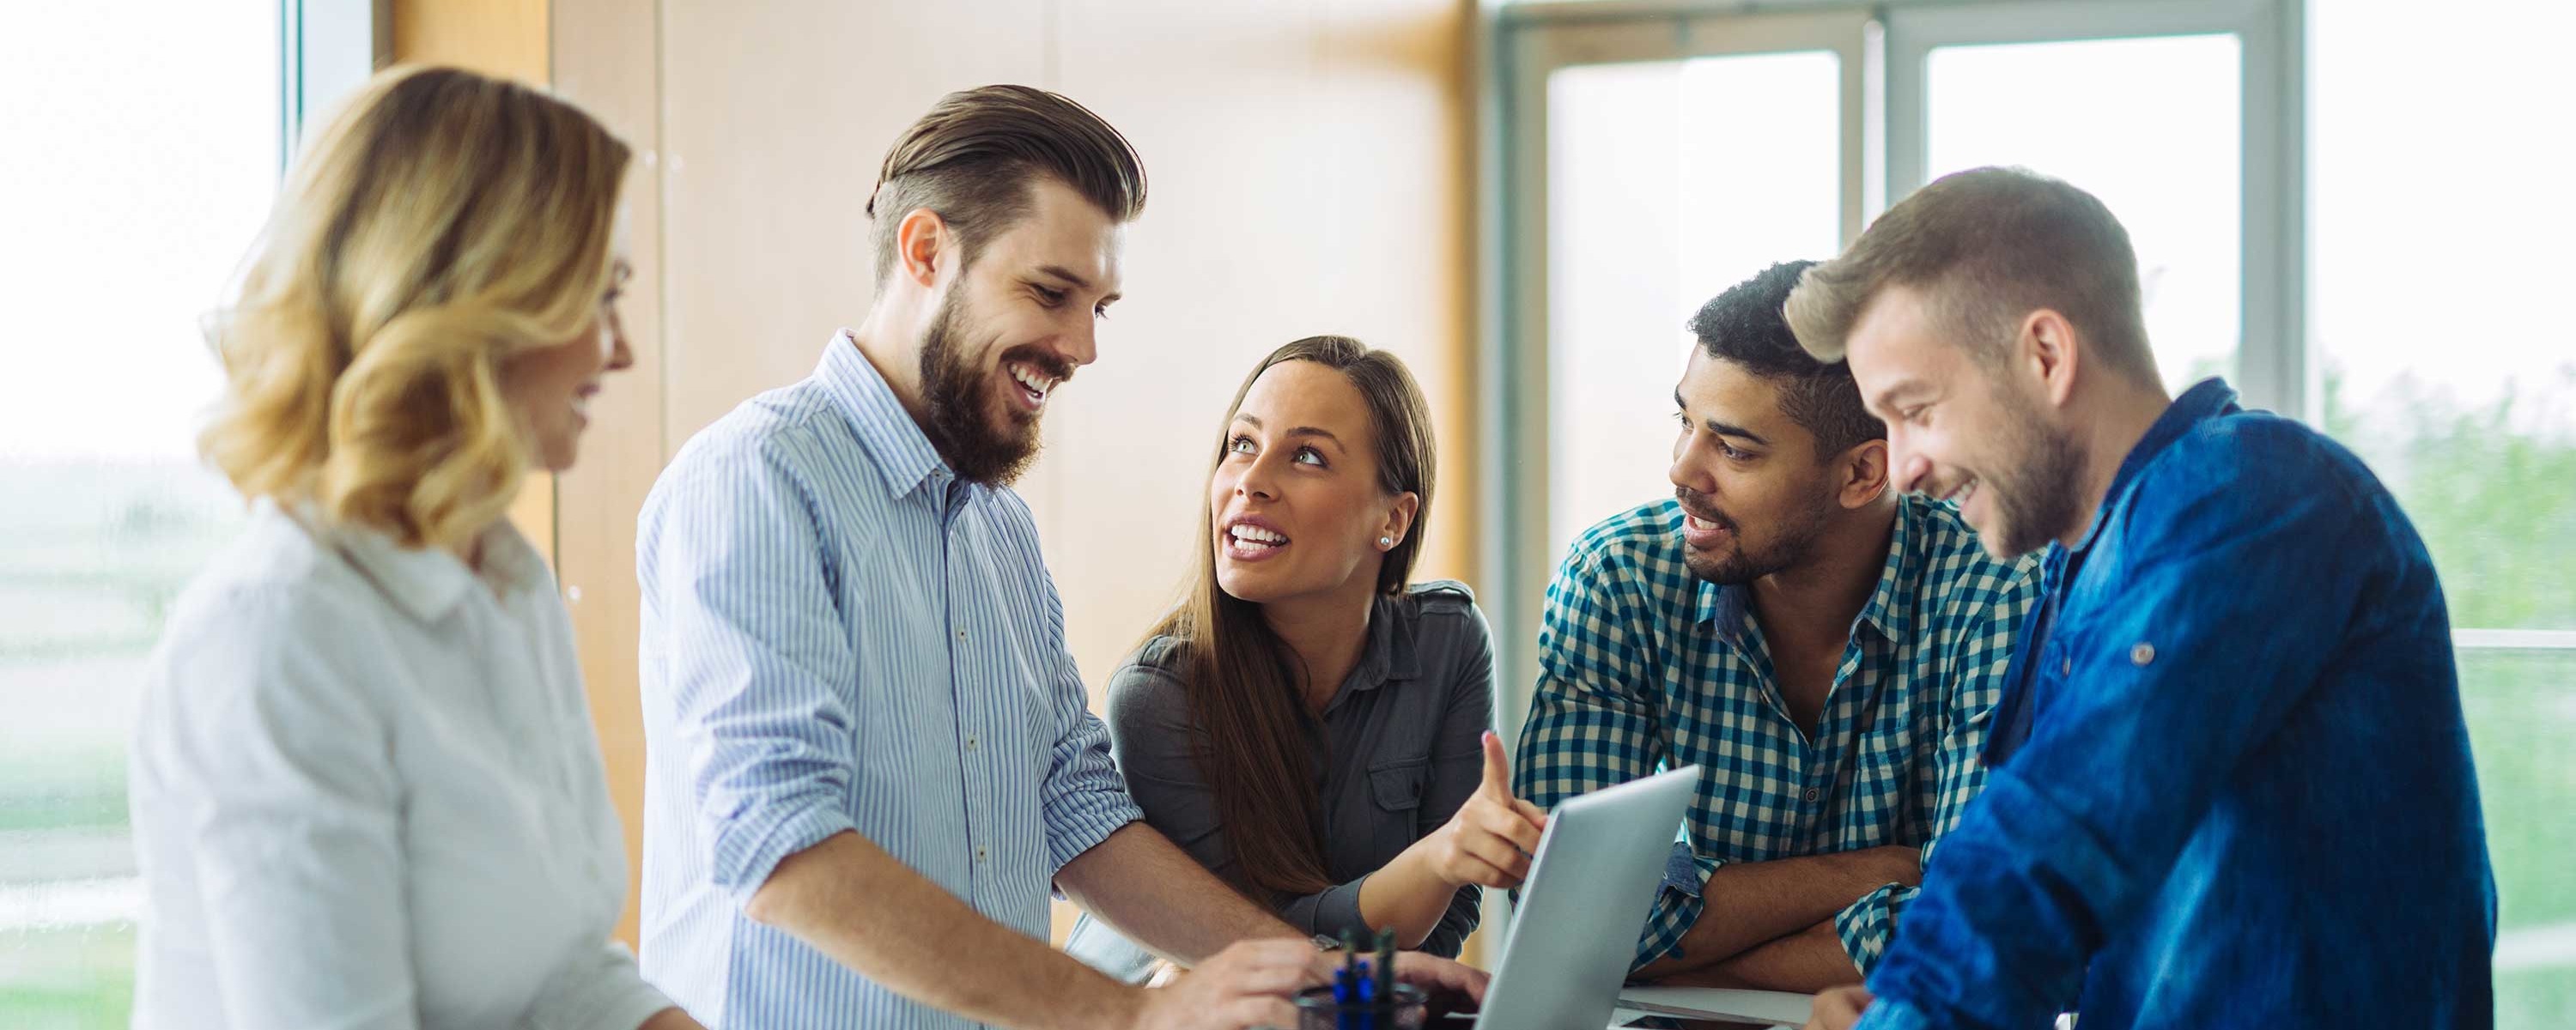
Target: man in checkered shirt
point(1826, 650)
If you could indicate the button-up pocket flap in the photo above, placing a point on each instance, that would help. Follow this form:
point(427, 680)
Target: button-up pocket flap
point(1397, 786)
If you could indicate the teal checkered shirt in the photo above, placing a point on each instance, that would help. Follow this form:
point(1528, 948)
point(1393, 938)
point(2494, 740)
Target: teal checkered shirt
point(1644, 666)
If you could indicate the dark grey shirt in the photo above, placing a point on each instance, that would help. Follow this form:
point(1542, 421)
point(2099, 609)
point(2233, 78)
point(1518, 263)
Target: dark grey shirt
point(1395, 754)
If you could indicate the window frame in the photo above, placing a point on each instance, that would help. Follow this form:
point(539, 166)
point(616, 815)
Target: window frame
point(328, 48)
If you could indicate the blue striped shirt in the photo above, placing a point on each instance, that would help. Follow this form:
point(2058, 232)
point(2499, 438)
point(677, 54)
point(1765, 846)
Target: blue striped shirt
point(838, 634)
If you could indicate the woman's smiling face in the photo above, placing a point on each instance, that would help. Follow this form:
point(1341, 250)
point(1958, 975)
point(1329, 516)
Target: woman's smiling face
point(1295, 504)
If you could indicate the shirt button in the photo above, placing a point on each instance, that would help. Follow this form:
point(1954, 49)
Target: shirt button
point(2142, 654)
point(979, 854)
point(961, 634)
point(970, 745)
point(1813, 793)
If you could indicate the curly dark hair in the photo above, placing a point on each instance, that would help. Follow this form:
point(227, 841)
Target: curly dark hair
point(1743, 325)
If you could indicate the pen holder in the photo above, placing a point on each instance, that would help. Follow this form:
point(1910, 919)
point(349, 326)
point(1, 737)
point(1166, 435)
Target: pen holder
point(1406, 1009)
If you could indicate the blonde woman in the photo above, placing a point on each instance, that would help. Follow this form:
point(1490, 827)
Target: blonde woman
point(365, 788)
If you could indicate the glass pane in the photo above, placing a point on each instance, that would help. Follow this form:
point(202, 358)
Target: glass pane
point(130, 198)
point(2441, 241)
point(2148, 125)
point(1667, 183)
point(2522, 714)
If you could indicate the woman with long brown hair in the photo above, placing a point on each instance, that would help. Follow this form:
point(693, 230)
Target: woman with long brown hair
point(1306, 723)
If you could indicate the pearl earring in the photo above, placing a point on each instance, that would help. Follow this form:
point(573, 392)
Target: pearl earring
point(1385, 543)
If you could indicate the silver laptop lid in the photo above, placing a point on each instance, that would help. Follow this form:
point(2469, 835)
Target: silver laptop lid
point(1589, 891)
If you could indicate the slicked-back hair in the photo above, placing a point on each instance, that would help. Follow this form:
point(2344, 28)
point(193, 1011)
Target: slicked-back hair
point(974, 158)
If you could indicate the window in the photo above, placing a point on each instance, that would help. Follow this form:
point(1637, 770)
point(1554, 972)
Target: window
point(143, 154)
point(2349, 209)
point(2148, 125)
point(1743, 149)
point(2440, 248)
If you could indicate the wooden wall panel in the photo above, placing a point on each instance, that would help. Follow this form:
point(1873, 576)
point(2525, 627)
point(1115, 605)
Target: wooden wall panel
point(608, 67)
point(496, 37)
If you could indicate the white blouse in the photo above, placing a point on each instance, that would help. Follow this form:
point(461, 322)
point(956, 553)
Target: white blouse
point(366, 793)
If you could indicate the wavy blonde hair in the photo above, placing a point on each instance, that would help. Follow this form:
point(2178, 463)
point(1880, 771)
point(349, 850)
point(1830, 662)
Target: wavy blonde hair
point(441, 222)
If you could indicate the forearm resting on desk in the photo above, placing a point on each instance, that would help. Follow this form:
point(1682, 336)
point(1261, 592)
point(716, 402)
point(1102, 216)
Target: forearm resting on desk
point(1754, 903)
point(1808, 961)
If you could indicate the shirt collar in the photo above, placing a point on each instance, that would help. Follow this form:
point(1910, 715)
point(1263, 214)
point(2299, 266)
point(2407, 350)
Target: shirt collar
point(2207, 399)
point(1728, 607)
point(902, 453)
point(1389, 653)
point(427, 583)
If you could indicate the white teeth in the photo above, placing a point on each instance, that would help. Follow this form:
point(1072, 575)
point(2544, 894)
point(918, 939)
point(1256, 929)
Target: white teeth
point(1036, 384)
point(1246, 533)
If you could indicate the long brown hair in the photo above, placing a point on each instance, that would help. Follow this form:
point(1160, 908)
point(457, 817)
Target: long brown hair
point(1241, 679)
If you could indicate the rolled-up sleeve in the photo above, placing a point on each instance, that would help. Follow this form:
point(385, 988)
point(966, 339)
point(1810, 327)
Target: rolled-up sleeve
point(1083, 800)
point(759, 665)
point(1864, 926)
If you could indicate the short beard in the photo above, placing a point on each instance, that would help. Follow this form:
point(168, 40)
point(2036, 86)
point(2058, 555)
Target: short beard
point(957, 399)
point(1796, 541)
point(2036, 501)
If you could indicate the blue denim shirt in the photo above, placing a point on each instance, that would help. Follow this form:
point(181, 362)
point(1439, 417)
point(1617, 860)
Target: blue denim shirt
point(2232, 783)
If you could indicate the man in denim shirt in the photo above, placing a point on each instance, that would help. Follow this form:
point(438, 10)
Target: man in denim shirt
point(2230, 779)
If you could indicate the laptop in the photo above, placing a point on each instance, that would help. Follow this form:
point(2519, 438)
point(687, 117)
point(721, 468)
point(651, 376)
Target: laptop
point(1590, 888)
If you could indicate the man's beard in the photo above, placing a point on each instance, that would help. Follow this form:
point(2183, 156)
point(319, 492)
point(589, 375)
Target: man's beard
point(1743, 565)
point(2034, 485)
point(958, 399)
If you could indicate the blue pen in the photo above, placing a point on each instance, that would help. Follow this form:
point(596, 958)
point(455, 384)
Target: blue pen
point(1368, 998)
point(1346, 982)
